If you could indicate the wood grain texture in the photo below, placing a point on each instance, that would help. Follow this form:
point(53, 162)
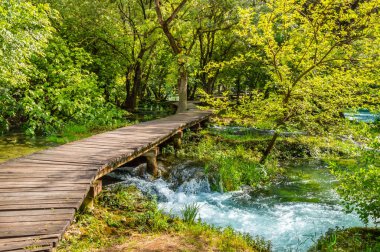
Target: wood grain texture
point(40, 193)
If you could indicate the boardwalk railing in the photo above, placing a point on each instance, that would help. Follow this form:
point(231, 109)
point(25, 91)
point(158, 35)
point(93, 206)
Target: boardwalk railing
point(40, 193)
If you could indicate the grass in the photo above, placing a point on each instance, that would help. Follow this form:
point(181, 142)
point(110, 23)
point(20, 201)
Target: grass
point(349, 240)
point(72, 132)
point(122, 213)
point(296, 146)
point(190, 212)
point(231, 164)
point(232, 159)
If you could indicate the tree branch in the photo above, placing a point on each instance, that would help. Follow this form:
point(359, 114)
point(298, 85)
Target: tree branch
point(175, 12)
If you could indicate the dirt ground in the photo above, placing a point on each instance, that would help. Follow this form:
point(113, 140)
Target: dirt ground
point(165, 242)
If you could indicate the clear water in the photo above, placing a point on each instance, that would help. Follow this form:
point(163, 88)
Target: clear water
point(362, 116)
point(292, 214)
point(14, 145)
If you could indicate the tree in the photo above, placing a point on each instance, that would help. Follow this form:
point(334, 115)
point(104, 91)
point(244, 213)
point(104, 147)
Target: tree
point(216, 41)
point(120, 35)
point(318, 55)
point(137, 23)
point(181, 45)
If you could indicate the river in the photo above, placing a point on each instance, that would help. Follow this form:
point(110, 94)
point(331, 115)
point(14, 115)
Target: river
point(291, 214)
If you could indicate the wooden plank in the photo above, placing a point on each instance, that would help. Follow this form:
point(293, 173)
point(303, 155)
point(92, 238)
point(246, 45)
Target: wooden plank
point(30, 162)
point(44, 176)
point(20, 229)
point(42, 194)
point(29, 245)
point(43, 182)
point(37, 202)
point(42, 189)
point(45, 164)
point(29, 238)
point(37, 218)
point(47, 169)
point(34, 213)
point(32, 206)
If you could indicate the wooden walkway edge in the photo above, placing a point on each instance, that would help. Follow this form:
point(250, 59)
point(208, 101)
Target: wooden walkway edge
point(40, 193)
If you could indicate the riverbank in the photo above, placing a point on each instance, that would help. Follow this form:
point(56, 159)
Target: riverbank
point(123, 219)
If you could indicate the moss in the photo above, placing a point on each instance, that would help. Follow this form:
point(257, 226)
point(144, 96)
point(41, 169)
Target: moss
point(349, 240)
point(122, 212)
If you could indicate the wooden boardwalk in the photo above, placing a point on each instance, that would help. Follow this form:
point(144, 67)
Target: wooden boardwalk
point(40, 193)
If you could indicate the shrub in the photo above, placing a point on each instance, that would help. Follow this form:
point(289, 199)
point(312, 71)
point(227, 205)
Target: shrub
point(360, 185)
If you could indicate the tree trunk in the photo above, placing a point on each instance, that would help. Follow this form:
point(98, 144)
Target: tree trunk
point(177, 50)
point(132, 90)
point(269, 148)
point(193, 92)
point(238, 90)
point(129, 99)
point(182, 90)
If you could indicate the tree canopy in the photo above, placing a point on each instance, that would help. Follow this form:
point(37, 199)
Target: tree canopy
point(291, 65)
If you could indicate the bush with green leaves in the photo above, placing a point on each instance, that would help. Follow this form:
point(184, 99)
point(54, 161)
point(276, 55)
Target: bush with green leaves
point(230, 162)
point(360, 184)
point(62, 90)
point(348, 240)
point(24, 31)
point(44, 80)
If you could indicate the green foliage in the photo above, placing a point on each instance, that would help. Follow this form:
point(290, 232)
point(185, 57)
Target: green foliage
point(24, 30)
point(360, 185)
point(64, 91)
point(44, 81)
point(232, 163)
point(190, 212)
point(350, 240)
point(316, 66)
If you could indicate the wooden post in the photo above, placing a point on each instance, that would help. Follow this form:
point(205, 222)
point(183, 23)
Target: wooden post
point(197, 127)
point(151, 161)
point(177, 140)
point(95, 190)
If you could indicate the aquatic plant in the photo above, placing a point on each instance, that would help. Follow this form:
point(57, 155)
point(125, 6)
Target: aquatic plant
point(190, 212)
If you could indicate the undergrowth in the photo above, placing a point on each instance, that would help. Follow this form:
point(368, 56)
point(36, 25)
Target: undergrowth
point(121, 212)
point(349, 240)
point(72, 132)
point(232, 159)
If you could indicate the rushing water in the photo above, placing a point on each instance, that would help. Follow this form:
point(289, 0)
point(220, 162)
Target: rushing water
point(291, 214)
